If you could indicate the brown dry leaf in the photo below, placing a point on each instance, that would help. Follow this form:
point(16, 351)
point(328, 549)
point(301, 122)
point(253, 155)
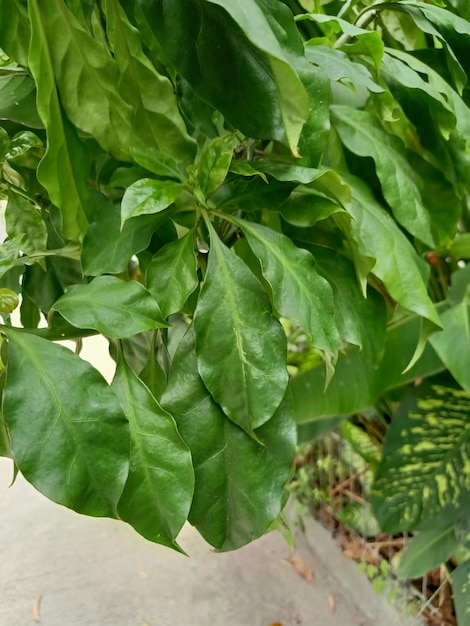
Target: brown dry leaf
point(276, 624)
point(36, 606)
point(301, 568)
point(331, 602)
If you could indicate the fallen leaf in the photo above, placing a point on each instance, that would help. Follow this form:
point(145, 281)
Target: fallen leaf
point(331, 602)
point(36, 605)
point(276, 624)
point(301, 568)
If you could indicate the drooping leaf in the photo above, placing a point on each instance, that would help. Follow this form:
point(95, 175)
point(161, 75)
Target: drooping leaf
point(148, 196)
point(76, 449)
point(238, 59)
point(241, 346)
point(239, 481)
point(299, 293)
point(426, 551)
point(159, 489)
point(114, 307)
point(172, 274)
point(422, 481)
point(24, 219)
point(214, 163)
point(64, 169)
point(461, 593)
point(106, 248)
point(157, 121)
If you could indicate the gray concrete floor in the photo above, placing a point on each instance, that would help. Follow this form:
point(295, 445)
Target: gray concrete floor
point(70, 570)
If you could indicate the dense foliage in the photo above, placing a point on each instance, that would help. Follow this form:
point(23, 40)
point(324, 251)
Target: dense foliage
point(231, 194)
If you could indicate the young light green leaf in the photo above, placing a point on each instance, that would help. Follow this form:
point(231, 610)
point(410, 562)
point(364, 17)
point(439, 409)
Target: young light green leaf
point(9, 254)
point(422, 478)
point(461, 593)
point(241, 346)
point(158, 492)
point(78, 426)
point(239, 480)
point(148, 196)
point(299, 293)
point(113, 307)
point(8, 300)
point(157, 121)
point(172, 274)
point(23, 218)
point(361, 443)
point(214, 163)
point(64, 168)
point(426, 551)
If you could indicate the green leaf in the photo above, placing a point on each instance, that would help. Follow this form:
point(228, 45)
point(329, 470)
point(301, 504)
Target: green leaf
point(8, 300)
point(172, 274)
point(106, 248)
point(361, 443)
point(113, 307)
point(241, 346)
point(423, 480)
point(157, 121)
point(21, 144)
point(24, 219)
point(9, 253)
point(64, 168)
point(214, 163)
point(76, 449)
point(452, 344)
point(426, 551)
point(397, 264)
point(239, 480)
point(158, 163)
point(239, 59)
point(299, 293)
point(158, 493)
point(148, 196)
point(15, 30)
point(18, 99)
point(306, 206)
point(461, 593)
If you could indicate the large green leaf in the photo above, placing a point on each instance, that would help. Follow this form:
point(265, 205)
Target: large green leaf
point(239, 480)
point(18, 99)
point(172, 274)
point(64, 169)
point(397, 264)
point(148, 196)
point(299, 293)
point(159, 489)
point(114, 307)
point(69, 436)
point(157, 120)
point(237, 58)
point(402, 184)
point(427, 550)
point(15, 30)
point(241, 346)
point(424, 479)
point(461, 593)
point(106, 248)
point(452, 344)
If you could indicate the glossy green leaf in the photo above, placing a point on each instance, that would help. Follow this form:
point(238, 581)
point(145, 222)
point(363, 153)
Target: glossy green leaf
point(241, 346)
point(64, 169)
point(157, 121)
point(426, 551)
point(76, 449)
point(21, 144)
point(214, 163)
point(159, 489)
point(452, 344)
point(8, 300)
point(397, 264)
point(299, 293)
point(172, 274)
point(238, 59)
point(306, 206)
point(424, 478)
point(9, 254)
point(461, 593)
point(18, 99)
point(113, 307)
point(157, 162)
point(239, 480)
point(148, 196)
point(24, 219)
point(15, 30)
point(106, 248)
